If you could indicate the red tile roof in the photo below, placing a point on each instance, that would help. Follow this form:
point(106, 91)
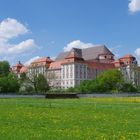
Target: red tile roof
point(56, 65)
point(23, 69)
point(128, 56)
point(43, 59)
point(18, 65)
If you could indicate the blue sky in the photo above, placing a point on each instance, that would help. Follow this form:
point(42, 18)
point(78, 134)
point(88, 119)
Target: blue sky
point(33, 28)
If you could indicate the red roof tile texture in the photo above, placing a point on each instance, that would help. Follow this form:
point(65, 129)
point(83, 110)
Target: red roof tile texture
point(23, 69)
point(43, 59)
point(56, 65)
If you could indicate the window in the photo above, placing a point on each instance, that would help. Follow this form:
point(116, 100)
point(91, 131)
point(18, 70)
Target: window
point(67, 75)
point(63, 76)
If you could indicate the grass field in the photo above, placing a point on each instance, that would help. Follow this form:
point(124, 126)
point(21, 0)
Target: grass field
point(70, 119)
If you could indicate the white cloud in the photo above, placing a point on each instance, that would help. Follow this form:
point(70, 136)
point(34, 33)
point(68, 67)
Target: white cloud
point(10, 29)
point(77, 44)
point(22, 47)
point(12, 49)
point(31, 60)
point(137, 51)
point(53, 57)
point(134, 6)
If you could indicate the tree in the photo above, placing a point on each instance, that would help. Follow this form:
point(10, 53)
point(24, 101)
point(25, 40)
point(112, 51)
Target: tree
point(9, 83)
point(129, 87)
point(13, 83)
point(51, 76)
point(3, 84)
point(4, 68)
point(108, 81)
point(23, 77)
point(41, 83)
point(111, 80)
point(38, 81)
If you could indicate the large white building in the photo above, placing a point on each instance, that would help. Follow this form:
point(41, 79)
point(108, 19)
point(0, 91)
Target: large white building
point(71, 68)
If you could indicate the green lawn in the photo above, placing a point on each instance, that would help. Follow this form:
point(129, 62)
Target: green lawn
point(70, 119)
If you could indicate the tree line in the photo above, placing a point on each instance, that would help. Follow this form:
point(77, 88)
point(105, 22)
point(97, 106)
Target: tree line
point(10, 83)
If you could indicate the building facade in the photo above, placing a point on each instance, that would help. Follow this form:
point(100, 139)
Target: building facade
point(71, 68)
point(39, 66)
point(129, 68)
point(18, 69)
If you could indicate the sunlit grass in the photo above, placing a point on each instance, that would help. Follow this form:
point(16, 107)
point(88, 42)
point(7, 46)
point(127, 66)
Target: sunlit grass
point(70, 119)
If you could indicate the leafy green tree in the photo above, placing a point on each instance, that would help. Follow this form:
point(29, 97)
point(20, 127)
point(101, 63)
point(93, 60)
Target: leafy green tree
point(3, 84)
point(108, 81)
point(89, 86)
point(9, 83)
point(111, 80)
point(41, 83)
point(4, 68)
point(13, 83)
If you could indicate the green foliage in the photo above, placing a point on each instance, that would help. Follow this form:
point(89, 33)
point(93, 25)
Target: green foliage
point(71, 89)
point(34, 83)
point(13, 83)
point(109, 81)
point(89, 86)
point(29, 89)
point(41, 83)
point(23, 77)
point(129, 87)
point(9, 83)
point(4, 68)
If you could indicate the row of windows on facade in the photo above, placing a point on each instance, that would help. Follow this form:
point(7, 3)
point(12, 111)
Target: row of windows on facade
point(79, 74)
point(68, 72)
point(71, 75)
point(71, 67)
point(83, 74)
point(37, 70)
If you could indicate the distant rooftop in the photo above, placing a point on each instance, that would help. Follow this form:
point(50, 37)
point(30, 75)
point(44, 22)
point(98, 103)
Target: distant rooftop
point(42, 59)
point(87, 53)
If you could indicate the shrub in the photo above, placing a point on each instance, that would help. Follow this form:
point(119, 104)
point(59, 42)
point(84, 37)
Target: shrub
point(128, 87)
